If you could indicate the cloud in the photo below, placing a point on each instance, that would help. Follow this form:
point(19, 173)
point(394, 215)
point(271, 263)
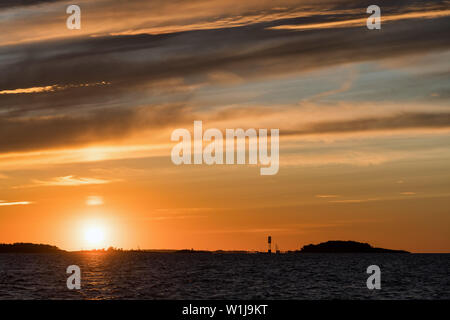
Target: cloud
point(159, 16)
point(327, 196)
point(174, 217)
point(342, 139)
point(30, 133)
point(87, 90)
point(404, 120)
point(28, 90)
point(67, 181)
point(51, 88)
point(21, 3)
point(362, 21)
point(355, 200)
point(44, 159)
point(128, 61)
point(14, 203)
point(360, 153)
point(116, 124)
point(345, 86)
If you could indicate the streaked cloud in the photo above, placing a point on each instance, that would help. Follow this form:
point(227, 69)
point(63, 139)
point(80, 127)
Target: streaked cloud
point(67, 181)
point(175, 217)
point(123, 86)
point(85, 128)
point(327, 196)
point(114, 125)
point(362, 21)
point(14, 203)
point(28, 90)
point(394, 122)
point(36, 159)
point(355, 200)
point(50, 88)
point(20, 3)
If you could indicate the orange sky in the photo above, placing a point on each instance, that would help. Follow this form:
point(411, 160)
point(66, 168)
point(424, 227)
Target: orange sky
point(86, 118)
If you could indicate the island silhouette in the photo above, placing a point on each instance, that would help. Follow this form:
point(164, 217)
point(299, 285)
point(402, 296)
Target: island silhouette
point(335, 246)
point(20, 247)
point(338, 246)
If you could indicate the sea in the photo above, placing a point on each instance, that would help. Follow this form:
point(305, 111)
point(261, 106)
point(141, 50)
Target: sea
point(159, 275)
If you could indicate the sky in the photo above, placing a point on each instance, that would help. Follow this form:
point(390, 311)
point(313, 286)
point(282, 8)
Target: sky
point(86, 118)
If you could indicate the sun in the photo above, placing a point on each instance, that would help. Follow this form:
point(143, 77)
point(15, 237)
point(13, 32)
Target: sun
point(94, 236)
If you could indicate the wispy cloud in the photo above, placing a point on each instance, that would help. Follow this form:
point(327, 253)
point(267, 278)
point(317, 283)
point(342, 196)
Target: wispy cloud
point(66, 181)
point(345, 86)
point(72, 181)
point(355, 200)
point(233, 46)
point(405, 120)
point(82, 129)
point(51, 88)
point(14, 203)
point(174, 217)
point(28, 90)
point(19, 3)
point(250, 230)
point(327, 196)
point(362, 21)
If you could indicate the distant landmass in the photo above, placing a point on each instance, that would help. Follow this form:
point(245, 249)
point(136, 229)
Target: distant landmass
point(325, 247)
point(28, 248)
point(345, 247)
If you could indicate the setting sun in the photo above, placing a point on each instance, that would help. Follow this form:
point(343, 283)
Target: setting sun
point(94, 236)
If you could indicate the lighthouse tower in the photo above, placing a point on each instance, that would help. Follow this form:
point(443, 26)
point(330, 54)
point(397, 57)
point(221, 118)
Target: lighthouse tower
point(269, 243)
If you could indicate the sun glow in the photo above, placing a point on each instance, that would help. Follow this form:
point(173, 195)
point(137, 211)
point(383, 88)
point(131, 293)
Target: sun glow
point(94, 236)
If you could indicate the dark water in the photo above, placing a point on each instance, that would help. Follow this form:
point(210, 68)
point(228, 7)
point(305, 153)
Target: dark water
point(224, 276)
